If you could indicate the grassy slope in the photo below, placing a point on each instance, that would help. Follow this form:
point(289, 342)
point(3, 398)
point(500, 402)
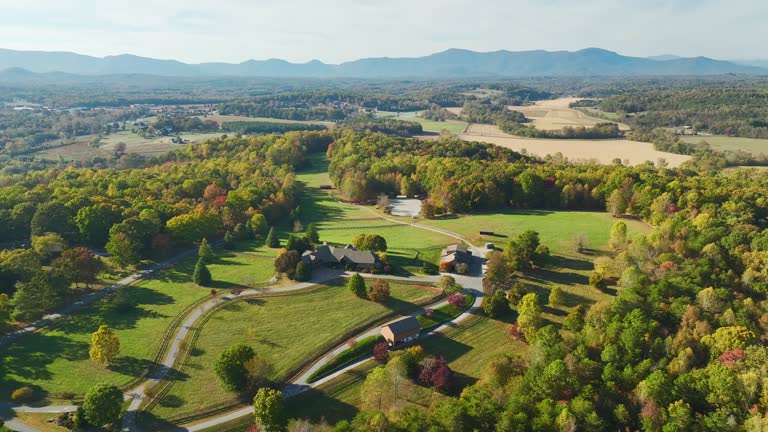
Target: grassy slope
point(339, 223)
point(749, 145)
point(56, 359)
point(453, 126)
point(287, 331)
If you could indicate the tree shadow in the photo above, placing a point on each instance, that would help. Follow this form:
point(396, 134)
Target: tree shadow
point(137, 367)
point(150, 422)
point(171, 401)
point(439, 344)
point(318, 406)
point(571, 263)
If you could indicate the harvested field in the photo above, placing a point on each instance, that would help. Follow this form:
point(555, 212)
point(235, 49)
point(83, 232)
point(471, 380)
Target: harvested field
point(556, 114)
point(602, 151)
point(455, 110)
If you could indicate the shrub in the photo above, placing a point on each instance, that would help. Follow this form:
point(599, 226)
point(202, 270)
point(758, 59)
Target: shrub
point(379, 291)
point(23, 394)
point(356, 285)
point(457, 300)
point(381, 352)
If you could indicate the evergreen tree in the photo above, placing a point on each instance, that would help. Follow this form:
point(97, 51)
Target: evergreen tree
point(201, 275)
point(302, 273)
point(272, 240)
point(205, 252)
point(312, 235)
point(229, 240)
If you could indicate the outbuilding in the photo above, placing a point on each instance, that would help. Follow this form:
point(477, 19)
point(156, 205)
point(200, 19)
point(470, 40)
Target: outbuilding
point(401, 331)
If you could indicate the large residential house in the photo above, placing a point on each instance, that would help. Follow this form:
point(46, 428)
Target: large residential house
point(454, 254)
point(346, 256)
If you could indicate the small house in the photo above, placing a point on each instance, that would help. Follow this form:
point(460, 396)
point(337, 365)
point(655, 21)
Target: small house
point(454, 254)
point(346, 256)
point(401, 331)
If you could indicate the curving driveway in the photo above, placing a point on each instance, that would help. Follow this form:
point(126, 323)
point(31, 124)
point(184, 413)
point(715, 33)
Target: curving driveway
point(472, 284)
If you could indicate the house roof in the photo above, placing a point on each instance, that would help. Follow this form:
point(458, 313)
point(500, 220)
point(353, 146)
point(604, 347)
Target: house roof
point(332, 254)
point(455, 249)
point(404, 327)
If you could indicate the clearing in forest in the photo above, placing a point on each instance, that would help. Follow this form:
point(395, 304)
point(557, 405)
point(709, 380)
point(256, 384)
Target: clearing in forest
point(556, 114)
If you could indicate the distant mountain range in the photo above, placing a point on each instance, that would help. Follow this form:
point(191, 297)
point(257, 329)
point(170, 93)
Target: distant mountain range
point(453, 63)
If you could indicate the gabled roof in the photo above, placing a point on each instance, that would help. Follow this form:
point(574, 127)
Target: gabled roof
point(347, 254)
point(455, 249)
point(404, 327)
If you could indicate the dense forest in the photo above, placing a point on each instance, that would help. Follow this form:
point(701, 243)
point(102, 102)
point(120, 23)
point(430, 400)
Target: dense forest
point(727, 111)
point(682, 345)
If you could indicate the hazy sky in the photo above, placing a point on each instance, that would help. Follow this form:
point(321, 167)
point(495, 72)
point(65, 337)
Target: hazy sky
point(339, 30)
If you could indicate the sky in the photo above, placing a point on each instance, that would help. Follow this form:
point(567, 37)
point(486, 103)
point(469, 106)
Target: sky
point(335, 31)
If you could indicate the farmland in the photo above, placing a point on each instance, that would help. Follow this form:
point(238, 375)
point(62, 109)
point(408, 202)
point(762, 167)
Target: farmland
point(221, 119)
point(602, 151)
point(726, 143)
point(453, 126)
point(556, 114)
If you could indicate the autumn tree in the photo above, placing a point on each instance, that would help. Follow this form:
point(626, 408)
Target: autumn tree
point(618, 237)
point(379, 291)
point(370, 242)
point(448, 284)
point(79, 264)
point(529, 318)
point(556, 297)
point(269, 410)
point(105, 346)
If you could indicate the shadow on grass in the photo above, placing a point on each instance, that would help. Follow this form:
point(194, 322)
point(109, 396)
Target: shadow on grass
point(150, 422)
point(571, 263)
point(30, 360)
point(316, 406)
point(136, 367)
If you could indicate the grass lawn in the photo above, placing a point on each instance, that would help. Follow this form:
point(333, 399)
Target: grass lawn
point(151, 146)
point(287, 331)
point(557, 229)
point(339, 222)
point(55, 360)
point(453, 126)
point(749, 145)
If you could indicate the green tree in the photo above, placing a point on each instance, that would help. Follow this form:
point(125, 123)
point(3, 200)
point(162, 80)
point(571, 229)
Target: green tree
point(258, 225)
point(529, 318)
point(51, 217)
point(105, 346)
point(574, 321)
point(205, 252)
point(201, 275)
point(302, 273)
point(46, 290)
point(231, 368)
point(269, 410)
point(102, 404)
point(48, 244)
point(229, 240)
point(448, 284)
point(496, 305)
point(312, 234)
point(556, 297)
point(94, 223)
point(287, 262)
point(188, 228)
point(370, 242)
point(356, 285)
point(124, 249)
point(618, 237)
point(272, 240)
point(5, 312)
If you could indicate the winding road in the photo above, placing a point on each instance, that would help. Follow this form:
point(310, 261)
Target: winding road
point(472, 284)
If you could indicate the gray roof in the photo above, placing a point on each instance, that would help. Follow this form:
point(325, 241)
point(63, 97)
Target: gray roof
point(348, 254)
point(455, 249)
point(406, 325)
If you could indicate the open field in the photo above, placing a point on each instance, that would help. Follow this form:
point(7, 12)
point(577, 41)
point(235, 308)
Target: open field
point(339, 223)
point(722, 143)
point(55, 360)
point(602, 151)
point(235, 118)
point(453, 126)
point(81, 149)
point(556, 114)
point(286, 331)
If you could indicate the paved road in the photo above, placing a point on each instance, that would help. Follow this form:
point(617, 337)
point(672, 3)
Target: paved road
point(472, 283)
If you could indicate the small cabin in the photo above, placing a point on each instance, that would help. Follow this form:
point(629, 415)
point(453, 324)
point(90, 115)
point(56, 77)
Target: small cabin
point(401, 331)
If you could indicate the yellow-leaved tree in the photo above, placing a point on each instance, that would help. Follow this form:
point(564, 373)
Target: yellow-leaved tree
point(105, 346)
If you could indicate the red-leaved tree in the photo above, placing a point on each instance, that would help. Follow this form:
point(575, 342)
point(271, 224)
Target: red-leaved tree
point(434, 371)
point(457, 300)
point(381, 352)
